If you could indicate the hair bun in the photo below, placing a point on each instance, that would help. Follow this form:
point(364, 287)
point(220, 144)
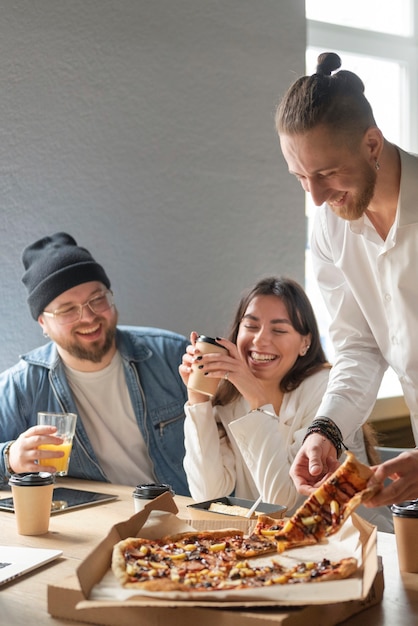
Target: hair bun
point(327, 62)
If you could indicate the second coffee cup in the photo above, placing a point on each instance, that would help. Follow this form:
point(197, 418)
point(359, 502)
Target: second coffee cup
point(143, 494)
point(197, 379)
point(405, 522)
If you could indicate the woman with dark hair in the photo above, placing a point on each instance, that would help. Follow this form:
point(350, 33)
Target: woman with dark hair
point(244, 439)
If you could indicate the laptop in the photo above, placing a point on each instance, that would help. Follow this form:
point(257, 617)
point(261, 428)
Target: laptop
point(15, 562)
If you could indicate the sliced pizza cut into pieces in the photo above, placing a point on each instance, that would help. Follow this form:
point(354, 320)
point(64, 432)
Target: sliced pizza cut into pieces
point(256, 545)
point(311, 571)
point(327, 508)
point(267, 526)
point(156, 565)
point(268, 529)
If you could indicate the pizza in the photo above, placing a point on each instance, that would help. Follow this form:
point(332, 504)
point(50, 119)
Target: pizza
point(269, 528)
point(328, 507)
point(217, 560)
point(223, 559)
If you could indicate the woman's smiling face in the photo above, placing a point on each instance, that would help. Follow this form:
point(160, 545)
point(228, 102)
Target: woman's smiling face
point(267, 340)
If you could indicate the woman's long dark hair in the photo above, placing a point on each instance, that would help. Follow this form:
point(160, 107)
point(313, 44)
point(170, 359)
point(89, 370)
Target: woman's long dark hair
point(302, 318)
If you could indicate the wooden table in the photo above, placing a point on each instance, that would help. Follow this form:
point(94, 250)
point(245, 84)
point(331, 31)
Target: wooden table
point(76, 533)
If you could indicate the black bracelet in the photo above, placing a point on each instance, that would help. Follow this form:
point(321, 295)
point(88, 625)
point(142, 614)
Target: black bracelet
point(328, 428)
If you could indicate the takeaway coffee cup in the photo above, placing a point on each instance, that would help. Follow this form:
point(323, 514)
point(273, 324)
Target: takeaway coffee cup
point(32, 500)
point(143, 494)
point(405, 522)
point(197, 379)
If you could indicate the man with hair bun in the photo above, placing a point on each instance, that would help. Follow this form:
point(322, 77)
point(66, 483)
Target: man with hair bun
point(364, 253)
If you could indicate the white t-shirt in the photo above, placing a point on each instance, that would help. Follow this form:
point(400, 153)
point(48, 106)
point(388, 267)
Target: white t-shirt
point(105, 408)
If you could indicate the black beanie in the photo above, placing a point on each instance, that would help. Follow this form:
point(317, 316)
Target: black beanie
point(55, 264)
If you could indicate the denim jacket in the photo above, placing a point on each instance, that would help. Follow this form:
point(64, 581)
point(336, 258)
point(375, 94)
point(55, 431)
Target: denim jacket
point(150, 356)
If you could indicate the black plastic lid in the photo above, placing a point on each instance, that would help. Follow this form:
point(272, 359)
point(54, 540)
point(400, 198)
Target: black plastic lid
point(208, 340)
point(31, 480)
point(151, 490)
point(406, 509)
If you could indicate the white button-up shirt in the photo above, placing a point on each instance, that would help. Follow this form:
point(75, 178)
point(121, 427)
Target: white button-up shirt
point(370, 287)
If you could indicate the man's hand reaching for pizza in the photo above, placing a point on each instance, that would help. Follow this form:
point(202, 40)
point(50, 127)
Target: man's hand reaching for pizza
point(314, 462)
point(403, 472)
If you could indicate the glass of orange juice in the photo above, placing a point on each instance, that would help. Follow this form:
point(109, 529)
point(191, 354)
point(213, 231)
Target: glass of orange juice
point(65, 425)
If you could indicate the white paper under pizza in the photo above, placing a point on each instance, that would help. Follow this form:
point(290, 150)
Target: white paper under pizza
point(345, 543)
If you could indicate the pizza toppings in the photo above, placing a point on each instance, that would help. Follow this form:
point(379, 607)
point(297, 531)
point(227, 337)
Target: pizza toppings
point(222, 559)
point(206, 561)
point(273, 529)
point(325, 511)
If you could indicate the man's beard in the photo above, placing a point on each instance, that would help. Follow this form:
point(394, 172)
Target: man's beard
point(361, 201)
point(93, 352)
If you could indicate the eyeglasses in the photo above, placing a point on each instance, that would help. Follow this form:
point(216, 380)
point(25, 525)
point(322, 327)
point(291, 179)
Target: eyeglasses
point(71, 314)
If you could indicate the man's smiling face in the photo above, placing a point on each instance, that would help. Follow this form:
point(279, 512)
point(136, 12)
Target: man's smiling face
point(92, 337)
point(331, 170)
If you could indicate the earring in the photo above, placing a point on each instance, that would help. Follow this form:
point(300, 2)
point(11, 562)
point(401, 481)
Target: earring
point(45, 334)
point(305, 349)
point(377, 165)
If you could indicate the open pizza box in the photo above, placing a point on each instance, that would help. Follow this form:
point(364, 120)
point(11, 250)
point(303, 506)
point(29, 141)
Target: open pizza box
point(95, 596)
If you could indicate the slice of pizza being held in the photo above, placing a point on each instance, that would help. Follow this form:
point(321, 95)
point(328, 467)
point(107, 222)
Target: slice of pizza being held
point(328, 507)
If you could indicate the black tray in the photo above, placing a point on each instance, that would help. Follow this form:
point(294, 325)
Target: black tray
point(269, 509)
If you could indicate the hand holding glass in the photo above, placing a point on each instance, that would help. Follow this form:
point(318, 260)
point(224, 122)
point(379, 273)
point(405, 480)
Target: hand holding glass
point(65, 425)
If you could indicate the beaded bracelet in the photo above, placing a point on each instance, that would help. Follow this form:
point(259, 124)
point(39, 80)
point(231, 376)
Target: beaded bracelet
point(328, 428)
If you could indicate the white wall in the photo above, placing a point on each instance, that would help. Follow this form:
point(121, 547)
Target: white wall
point(146, 130)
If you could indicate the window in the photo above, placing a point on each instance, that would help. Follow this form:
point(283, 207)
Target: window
point(378, 40)
point(384, 16)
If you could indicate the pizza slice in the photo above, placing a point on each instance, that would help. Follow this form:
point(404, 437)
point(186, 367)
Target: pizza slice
point(230, 541)
point(267, 529)
point(317, 571)
point(327, 508)
point(184, 560)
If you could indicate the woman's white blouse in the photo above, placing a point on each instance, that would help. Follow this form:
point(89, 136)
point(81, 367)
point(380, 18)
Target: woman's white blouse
point(229, 449)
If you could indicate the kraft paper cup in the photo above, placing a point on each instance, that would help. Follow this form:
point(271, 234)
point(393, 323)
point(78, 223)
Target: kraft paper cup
point(145, 493)
point(405, 522)
point(65, 425)
point(32, 501)
point(197, 379)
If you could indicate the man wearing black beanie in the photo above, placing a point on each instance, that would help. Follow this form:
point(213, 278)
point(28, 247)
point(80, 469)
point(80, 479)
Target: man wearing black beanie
point(122, 382)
